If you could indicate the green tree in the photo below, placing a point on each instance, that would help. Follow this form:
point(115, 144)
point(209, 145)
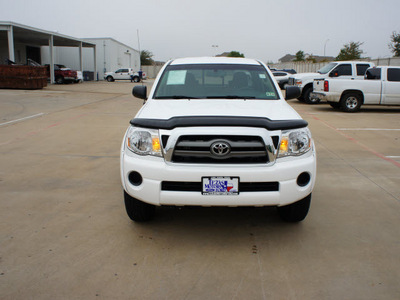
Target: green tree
point(311, 59)
point(350, 51)
point(394, 44)
point(146, 58)
point(235, 54)
point(299, 56)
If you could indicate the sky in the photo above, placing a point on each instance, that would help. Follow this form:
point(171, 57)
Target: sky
point(260, 29)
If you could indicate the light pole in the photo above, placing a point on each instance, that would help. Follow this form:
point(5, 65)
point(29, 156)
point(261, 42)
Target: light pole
point(325, 45)
point(215, 47)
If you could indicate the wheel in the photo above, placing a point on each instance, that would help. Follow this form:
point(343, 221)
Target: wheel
point(295, 212)
point(136, 79)
point(301, 99)
point(59, 80)
point(307, 96)
point(335, 105)
point(137, 210)
point(110, 79)
point(351, 102)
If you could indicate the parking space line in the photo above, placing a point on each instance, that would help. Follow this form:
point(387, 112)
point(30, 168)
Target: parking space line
point(22, 119)
point(368, 129)
point(388, 159)
point(46, 128)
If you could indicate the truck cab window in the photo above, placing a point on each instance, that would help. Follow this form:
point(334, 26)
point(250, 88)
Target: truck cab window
point(373, 74)
point(393, 74)
point(361, 68)
point(342, 70)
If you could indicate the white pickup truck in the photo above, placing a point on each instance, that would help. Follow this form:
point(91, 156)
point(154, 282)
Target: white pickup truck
point(337, 69)
point(122, 74)
point(216, 131)
point(381, 86)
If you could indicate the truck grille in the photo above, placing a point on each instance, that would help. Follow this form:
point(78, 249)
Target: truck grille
point(220, 149)
point(291, 81)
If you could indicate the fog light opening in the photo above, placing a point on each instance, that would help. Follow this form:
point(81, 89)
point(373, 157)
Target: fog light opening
point(303, 179)
point(135, 178)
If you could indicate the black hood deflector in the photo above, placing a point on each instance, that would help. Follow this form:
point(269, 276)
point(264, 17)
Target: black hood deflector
point(226, 121)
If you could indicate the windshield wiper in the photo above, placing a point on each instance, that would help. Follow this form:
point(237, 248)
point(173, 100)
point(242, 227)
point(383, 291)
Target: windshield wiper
point(176, 97)
point(231, 97)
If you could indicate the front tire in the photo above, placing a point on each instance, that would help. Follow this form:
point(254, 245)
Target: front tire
point(351, 102)
point(110, 79)
point(295, 212)
point(137, 210)
point(59, 80)
point(307, 96)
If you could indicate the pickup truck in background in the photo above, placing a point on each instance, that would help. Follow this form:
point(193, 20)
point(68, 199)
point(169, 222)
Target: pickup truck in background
point(337, 69)
point(122, 74)
point(62, 74)
point(380, 87)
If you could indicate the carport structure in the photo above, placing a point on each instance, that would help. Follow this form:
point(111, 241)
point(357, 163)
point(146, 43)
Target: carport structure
point(15, 33)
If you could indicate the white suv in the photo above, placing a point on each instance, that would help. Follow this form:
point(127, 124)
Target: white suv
point(217, 132)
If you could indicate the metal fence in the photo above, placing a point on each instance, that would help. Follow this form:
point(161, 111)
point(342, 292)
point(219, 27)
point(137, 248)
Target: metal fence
point(151, 71)
point(300, 67)
point(305, 67)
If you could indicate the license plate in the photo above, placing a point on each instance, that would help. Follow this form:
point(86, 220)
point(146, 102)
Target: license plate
point(220, 185)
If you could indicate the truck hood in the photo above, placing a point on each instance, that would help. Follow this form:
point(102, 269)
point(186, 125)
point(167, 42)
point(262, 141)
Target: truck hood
point(166, 109)
point(306, 75)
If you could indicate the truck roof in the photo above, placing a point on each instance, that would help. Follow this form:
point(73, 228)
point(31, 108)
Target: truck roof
point(214, 60)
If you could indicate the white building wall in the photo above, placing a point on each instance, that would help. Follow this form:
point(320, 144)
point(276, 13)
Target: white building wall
point(110, 56)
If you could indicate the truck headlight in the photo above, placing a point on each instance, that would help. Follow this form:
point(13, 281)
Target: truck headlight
point(298, 82)
point(143, 141)
point(295, 142)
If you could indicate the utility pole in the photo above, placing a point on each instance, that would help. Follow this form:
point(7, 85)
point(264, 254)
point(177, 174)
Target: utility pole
point(325, 45)
point(138, 40)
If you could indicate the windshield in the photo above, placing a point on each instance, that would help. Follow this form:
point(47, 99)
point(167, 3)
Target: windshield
point(215, 81)
point(327, 68)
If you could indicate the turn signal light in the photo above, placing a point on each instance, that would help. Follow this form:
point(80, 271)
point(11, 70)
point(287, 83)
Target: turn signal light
point(284, 146)
point(156, 144)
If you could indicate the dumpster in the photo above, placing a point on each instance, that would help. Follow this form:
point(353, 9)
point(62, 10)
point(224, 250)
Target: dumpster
point(22, 77)
point(88, 75)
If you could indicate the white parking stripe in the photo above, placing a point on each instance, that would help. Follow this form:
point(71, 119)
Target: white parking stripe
point(22, 119)
point(369, 129)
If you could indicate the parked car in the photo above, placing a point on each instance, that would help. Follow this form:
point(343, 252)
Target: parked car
point(291, 71)
point(380, 87)
point(62, 74)
point(337, 69)
point(122, 74)
point(282, 78)
point(217, 132)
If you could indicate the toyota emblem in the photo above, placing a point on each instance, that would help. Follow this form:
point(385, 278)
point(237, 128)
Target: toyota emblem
point(220, 148)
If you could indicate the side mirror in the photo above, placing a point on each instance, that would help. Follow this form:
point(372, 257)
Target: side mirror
point(334, 74)
point(140, 91)
point(292, 92)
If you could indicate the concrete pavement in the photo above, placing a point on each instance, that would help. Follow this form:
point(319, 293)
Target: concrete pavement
point(64, 232)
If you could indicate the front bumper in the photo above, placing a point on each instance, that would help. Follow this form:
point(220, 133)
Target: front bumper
point(154, 171)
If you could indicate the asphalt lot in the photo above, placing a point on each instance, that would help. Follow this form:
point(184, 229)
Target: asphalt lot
point(64, 232)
